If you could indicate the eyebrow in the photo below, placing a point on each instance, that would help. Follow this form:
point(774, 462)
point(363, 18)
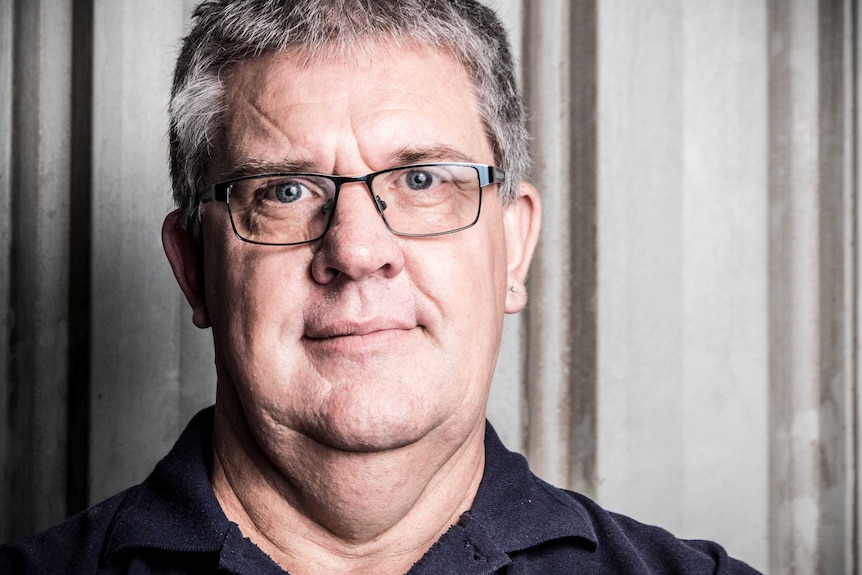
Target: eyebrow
point(255, 167)
point(439, 153)
point(403, 157)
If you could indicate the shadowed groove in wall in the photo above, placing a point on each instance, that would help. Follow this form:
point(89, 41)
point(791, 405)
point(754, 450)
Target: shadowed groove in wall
point(560, 52)
point(813, 507)
point(80, 244)
point(36, 384)
point(547, 93)
point(45, 82)
point(6, 26)
point(583, 251)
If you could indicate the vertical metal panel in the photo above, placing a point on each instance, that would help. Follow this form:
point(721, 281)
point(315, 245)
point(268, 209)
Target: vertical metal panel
point(793, 317)
point(549, 343)
point(140, 354)
point(835, 271)
point(39, 263)
point(560, 384)
point(837, 252)
point(641, 445)
point(842, 498)
point(6, 437)
point(811, 257)
point(583, 252)
point(682, 378)
point(854, 288)
point(794, 416)
point(724, 346)
point(79, 242)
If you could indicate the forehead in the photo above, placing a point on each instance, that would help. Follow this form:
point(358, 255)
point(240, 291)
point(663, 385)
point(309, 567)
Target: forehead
point(364, 109)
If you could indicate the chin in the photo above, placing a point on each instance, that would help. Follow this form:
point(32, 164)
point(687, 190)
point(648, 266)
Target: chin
point(374, 415)
point(370, 434)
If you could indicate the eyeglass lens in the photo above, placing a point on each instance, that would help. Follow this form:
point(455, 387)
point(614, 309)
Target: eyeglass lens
point(415, 200)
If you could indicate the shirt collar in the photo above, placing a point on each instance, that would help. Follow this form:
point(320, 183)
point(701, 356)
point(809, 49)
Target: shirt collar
point(175, 509)
point(518, 510)
point(513, 511)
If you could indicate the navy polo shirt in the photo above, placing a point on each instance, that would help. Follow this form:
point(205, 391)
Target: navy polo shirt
point(518, 525)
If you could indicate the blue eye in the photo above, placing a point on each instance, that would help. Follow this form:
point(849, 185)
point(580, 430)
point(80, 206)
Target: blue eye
point(419, 180)
point(288, 192)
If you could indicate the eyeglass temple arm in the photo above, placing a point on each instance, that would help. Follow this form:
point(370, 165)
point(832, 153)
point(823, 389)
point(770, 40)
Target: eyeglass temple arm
point(493, 176)
point(216, 193)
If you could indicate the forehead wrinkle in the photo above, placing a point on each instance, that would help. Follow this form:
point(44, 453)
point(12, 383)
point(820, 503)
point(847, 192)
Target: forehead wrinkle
point(266, 120)
point(264, 109)
point(265, 125)
point(359, 122)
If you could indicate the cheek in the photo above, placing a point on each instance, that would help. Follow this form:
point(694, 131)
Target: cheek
point(463, 279)
point(255, 298)
point(257, 331)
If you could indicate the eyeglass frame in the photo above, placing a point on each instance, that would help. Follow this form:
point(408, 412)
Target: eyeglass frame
point(220, 192)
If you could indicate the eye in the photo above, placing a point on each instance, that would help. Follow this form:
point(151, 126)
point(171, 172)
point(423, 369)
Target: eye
point(288, 192)
point(419, 179)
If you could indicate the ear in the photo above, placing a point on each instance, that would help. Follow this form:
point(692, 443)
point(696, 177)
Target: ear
point(185, 255)
point(522, 221)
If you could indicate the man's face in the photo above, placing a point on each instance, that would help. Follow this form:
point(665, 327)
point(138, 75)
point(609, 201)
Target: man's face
point(362, 340)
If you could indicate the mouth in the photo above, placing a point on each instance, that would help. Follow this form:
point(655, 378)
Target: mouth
point(361, 341)
point(358, 329)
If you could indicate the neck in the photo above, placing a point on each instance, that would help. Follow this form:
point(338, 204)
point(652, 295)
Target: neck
point(316, 509)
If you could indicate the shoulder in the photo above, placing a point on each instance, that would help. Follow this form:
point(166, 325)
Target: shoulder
point(173, 511)
point(545, 529)
point(626, 545)
point(73, 546)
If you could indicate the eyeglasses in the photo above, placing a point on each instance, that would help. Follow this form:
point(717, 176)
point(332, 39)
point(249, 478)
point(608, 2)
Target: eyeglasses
point(416, 201)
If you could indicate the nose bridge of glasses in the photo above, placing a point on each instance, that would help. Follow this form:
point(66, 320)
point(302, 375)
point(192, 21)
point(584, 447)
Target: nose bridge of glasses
point(379, 204)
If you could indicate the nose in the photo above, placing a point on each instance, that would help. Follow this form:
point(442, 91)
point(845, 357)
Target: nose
point(357, 244)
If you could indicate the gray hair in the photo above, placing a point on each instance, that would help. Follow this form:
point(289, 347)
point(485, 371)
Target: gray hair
point(229, 31)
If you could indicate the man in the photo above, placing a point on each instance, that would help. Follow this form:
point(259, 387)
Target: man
point(353, 223)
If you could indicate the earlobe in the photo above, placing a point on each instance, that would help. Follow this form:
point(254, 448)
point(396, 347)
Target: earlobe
point(184, 255)
point(522, 220)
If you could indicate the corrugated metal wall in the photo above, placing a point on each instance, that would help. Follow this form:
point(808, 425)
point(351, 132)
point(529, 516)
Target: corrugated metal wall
point(689, 354)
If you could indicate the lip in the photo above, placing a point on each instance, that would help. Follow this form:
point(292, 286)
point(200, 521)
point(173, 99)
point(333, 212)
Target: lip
point(359, 341)
point(352, 328)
